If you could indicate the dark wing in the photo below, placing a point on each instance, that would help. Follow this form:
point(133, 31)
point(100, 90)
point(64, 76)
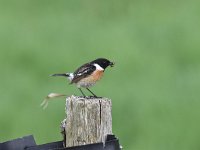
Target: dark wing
point(82, 72)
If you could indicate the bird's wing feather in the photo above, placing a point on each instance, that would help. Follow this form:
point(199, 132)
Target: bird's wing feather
point(82, 72)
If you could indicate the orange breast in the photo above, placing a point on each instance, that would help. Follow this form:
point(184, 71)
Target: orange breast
point(97, 75)
point(91, 79)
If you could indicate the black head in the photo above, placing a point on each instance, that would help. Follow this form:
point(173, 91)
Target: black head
point(104, 63)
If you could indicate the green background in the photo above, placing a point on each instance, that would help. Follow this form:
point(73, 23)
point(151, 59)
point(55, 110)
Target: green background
point(154, 85)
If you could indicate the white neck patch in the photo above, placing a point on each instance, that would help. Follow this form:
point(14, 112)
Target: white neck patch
point(98, 67)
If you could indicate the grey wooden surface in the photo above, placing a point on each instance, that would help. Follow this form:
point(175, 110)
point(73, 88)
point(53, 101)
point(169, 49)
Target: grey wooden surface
point(88, 120)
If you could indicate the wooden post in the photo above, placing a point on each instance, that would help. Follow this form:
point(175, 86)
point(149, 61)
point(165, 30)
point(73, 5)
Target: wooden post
point(88, 120)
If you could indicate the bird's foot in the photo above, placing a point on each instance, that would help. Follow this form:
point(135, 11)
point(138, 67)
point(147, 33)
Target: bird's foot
point(94, 96)
point(89, 97)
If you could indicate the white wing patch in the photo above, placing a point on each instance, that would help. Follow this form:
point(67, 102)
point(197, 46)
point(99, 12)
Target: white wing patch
point(79, 74)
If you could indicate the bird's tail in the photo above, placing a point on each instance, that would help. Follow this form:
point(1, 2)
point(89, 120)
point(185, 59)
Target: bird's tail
point(70, 76)
point(61, 74)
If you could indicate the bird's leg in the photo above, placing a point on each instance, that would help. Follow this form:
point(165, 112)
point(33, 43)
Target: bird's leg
point(82, 92)
point(91, 92)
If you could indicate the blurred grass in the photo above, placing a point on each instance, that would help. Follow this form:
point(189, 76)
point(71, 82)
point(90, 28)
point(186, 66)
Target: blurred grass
point(154, 86)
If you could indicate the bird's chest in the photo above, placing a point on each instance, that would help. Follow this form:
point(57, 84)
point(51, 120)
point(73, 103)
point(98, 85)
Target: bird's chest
point(91, 79)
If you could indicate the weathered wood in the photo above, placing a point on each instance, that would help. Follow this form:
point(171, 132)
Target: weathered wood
point(88, 120)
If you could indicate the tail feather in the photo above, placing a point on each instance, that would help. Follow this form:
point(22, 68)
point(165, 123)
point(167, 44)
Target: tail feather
point(70, 76)
point(60, 74)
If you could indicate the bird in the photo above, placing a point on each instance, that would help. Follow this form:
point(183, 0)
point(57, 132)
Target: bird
point(88, 74)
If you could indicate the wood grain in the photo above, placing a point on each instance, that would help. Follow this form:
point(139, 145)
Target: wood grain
point(88, 120)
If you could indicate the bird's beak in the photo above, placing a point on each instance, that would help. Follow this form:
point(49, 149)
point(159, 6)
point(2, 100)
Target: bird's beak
point(111, 64)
